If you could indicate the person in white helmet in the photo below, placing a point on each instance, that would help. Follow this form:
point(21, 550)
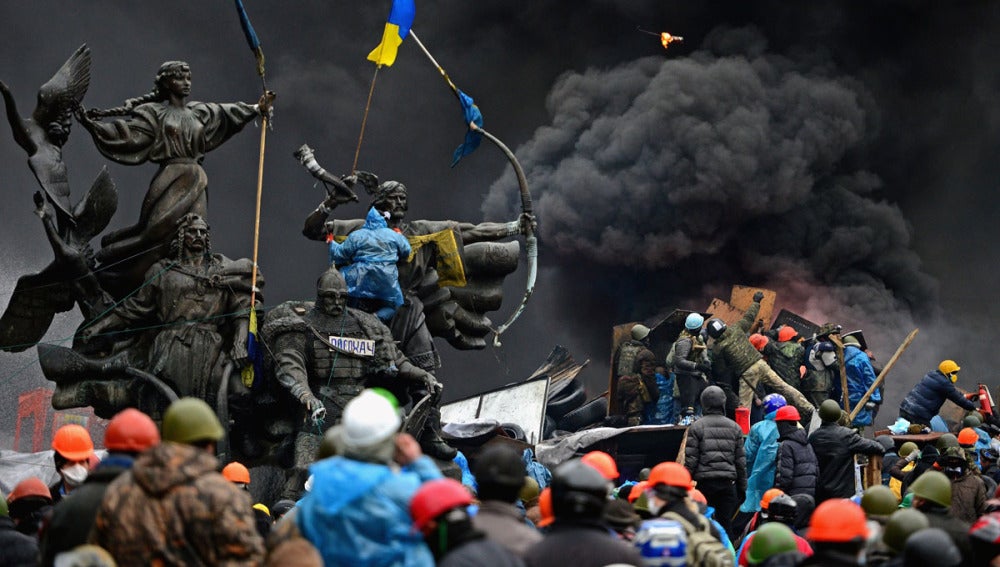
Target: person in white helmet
point(357, 512)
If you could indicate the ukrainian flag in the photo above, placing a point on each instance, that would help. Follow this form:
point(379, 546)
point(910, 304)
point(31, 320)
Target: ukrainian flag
point(255, 367)
point(396, 29)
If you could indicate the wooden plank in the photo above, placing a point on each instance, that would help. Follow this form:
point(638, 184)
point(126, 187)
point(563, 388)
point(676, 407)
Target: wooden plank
point(723, 310)
point(872, 473)
point(742, 297)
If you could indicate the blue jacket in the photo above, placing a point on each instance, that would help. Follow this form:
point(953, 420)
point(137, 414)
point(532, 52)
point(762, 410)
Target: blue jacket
point(761, 448)
point(368, 258)
point(926, 398)
point(358, 513)
point(662, 412)
point(860, 377)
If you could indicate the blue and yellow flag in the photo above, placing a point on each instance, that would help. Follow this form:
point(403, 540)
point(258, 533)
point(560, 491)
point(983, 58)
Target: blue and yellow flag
point(251, 36)
point(396, 29)
point(472, 116)
point(255, 367)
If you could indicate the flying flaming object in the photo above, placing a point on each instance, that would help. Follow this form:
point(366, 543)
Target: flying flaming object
point(665, 38)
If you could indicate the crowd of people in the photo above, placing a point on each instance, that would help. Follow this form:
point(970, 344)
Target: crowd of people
point(772, 491)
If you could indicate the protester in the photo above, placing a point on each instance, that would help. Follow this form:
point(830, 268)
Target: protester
point(578, 536)
point(968, 492)
point(761, 448)
point(931, 546)
point(782, 510)
point(499, 473)
point(924, 401)
point(688, 360)
point(770, 540)
point(129, 433)
point(835, 447)
point(932, 496)
point(173, 507)
point(440, 512)
point(900, 525)
point(797, 467)
point(984, 538)
point(838, 531)
point(714, 456)
point(638, 393)
point(860, 378)
point(16, 548)
point(889, 456)
point(28, 504)
point(73, 448)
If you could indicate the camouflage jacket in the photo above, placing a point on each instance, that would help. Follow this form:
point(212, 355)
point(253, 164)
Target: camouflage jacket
point(734, 344)
point(173, 508)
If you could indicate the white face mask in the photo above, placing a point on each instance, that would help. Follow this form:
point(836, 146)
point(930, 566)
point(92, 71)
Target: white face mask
point(829, 358)
point(74, 475)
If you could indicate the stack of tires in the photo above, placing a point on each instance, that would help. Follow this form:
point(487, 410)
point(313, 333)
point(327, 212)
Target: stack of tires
point(568, 410)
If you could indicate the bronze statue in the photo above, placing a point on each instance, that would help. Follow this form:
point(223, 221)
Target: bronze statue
point(164, 128)
point(327, 353)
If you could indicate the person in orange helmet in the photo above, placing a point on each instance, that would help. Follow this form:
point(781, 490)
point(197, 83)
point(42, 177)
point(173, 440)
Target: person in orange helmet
point(18, 548)
point(237, 474)
point(129, 433)
point(837, 532)
point(28, 504)
point(73, 449)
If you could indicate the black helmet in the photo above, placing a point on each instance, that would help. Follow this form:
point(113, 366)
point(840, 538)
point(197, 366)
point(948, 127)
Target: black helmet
point(782, 508)
point(499, 464)
point(578, 491)
point(715, 328)
point(931, 546)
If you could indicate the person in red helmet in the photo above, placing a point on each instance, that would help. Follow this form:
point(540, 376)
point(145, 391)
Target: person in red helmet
point(837, 531)
point(73, 449)
point(18, 548)
point(28, 504)
point(440, 513)
point(129, 433)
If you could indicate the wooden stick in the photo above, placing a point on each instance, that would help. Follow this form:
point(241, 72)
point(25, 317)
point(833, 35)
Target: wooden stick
point(256, 222)
point(835, 339)
point(881, 375)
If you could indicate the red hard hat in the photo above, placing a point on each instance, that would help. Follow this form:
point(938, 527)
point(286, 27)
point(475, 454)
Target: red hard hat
point(787, 413)
point(29, 487)
point(131, 431)
point(786, 333)
point(545, 507)
point(838, 520)
point(236, 472)
point(968, 437)
point(73, 442)
point(670, 474)
point(436, 497)
point(637, 490)
point(603, 462)
point(698, 496)
point(758, 341)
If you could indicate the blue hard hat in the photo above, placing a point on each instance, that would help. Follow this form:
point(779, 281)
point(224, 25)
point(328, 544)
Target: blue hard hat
point(694, 322)
point(773, 402)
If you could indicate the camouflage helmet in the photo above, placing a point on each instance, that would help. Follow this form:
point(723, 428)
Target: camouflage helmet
point(933, 486)
point(190, 420)
point(902, 524)
point(879, 501)
point(829, 411)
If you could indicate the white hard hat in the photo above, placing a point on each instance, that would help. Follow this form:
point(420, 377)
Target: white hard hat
point(369, 419)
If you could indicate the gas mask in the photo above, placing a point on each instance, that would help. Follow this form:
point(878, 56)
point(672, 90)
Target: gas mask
point(74, 475)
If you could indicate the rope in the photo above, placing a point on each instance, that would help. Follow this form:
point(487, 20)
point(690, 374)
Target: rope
point(364, 119)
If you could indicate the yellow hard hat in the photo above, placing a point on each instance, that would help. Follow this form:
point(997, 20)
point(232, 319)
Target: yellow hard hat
point(949, 368)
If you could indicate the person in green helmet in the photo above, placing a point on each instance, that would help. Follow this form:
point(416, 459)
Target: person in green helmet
point(772, 539)
point(174, 507)
point(898, 528)
point(932, 496)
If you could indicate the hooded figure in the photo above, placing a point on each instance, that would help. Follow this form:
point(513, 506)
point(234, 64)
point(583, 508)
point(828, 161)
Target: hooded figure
point(368, 258)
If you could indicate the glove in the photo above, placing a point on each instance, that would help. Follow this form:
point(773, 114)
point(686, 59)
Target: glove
point(757, 297)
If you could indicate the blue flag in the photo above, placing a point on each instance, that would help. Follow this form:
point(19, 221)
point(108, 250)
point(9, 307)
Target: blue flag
point(251, 36)
point(472, 115)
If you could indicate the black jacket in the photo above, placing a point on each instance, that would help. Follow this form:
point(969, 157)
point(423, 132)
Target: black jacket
point(73, 517)
point(714, 449)
point(16, 549)
point(480, 551)
point(798, 469)
point(581, 545)
point(835, 446)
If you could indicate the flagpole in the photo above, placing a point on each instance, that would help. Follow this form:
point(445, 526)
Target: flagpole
point(434, 62)
point(364, 120)
point(256, 223)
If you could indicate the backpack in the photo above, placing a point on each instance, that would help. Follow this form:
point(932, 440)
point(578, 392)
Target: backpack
point(703, 550)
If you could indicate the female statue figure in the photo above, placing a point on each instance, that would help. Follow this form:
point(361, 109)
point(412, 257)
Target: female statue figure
point(166, 129)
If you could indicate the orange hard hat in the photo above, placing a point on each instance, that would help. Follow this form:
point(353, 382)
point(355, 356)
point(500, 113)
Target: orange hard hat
point(637, 490)
point(758, 341)
point(30, 486)
point(436, 497)
point(787, 413)
point(603, 462)
point(73, 442)
point(698, 496)
point(765, 501)
point(838, 520)
point(786, 333)
point(131, 431)
point(545, 507)
point(968, 437)
point(236, 472)
point(670, 474)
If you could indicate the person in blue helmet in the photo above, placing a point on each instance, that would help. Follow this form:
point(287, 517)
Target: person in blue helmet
point(688, 361)
point(368, 258)
point(761, 448)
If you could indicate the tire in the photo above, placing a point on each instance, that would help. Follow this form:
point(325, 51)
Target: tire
point(563, 405)
point(513, 431)
point(564, 389)
point(587, 414)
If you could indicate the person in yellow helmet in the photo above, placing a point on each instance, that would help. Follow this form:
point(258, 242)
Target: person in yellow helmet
point(926, 398)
